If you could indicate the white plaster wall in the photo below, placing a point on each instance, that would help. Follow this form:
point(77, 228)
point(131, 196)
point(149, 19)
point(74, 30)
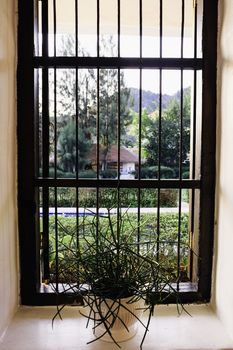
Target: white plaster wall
point(8, 195)
point(223, 283)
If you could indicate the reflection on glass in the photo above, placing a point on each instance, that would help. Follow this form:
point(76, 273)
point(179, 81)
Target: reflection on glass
point(87, 28)
point(108, 28)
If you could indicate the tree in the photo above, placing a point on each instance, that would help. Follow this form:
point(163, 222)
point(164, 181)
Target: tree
point(67, 148)
point(170, 135)
point(109, 125)
point(85, 90)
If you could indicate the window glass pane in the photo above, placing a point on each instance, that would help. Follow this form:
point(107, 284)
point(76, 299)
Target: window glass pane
point(87, 27)
point(129, 28)
point(64, 13)
point(150, 123)
point(172, 28)
point(188, 29)
point(38, 30)
point(87, 122)
point(75, 122)
point(108, 28)
point(102, 121)
point(170, 124)
point(38, 74)
point(108, 122)
point(150, 28)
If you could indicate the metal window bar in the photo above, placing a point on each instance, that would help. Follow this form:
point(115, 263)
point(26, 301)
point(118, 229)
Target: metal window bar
point(77, 124)
point(98, 28)
point(119, 28)
point(55, 146)
point(98, 122)
point(140, 124)
point(118, 63)
point(118, 115)
point(181, 147)
point(160, 124)
point(45, 139)
point(118, 146)
point(193, 174)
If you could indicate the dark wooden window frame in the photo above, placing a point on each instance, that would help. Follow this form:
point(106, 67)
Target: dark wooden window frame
point(26, 131)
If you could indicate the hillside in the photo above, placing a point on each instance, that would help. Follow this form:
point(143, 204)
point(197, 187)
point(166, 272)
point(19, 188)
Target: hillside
point(150, 100)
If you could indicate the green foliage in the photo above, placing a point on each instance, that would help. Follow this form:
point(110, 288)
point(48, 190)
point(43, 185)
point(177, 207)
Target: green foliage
point(168, 232)
point(109, 262)
point(66, 197)
point(151, 172)
point(86, 118)
point(170, 135)
point(67, 142)
point(87, 174)
point(108, 174)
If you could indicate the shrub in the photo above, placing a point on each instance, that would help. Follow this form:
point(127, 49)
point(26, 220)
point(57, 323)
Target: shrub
point(151, 172)
point(108, 174)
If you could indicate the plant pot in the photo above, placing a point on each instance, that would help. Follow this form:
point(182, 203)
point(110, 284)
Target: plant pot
point(118, 317)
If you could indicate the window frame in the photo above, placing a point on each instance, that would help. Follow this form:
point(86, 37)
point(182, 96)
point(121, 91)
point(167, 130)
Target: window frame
point(26, 132)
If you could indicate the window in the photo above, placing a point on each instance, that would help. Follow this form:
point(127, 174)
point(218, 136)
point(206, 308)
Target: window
point(117, 97)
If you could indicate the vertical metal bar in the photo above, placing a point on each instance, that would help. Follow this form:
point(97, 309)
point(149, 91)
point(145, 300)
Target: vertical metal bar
point(45, 139)
point(55, 142)
point(98, 28)
point(77, 126)
point(160, 126)
point(161, 29)
point(207, 200)
point(140, 125)
point(140, 26)
point(98, 121)
point(119, 27)
point(118, 113)
point(118, 149)
point(181, 148)
point(37, 144)
point(36, 28)
point(193, 175)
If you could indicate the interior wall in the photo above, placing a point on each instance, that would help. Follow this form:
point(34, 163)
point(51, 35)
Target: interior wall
point(8, 188)
point(223, 283)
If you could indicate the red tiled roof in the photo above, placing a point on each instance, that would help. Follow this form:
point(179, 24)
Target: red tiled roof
point(126, 155)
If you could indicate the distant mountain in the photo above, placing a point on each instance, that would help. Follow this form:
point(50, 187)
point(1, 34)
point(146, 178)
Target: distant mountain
point(150, 100)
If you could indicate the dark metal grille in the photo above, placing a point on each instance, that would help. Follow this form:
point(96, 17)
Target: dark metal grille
point(85, 105)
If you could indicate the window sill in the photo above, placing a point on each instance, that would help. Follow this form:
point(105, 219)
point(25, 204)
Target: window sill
point(32, 329)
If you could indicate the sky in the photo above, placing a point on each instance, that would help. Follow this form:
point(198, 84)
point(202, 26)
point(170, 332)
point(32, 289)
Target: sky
point(171, 79)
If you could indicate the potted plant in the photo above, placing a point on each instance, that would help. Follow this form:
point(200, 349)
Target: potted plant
point(117, 274)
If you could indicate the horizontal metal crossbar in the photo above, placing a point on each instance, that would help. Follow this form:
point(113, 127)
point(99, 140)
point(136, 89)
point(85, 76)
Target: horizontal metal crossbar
point(118, 62)
point(98, 183)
